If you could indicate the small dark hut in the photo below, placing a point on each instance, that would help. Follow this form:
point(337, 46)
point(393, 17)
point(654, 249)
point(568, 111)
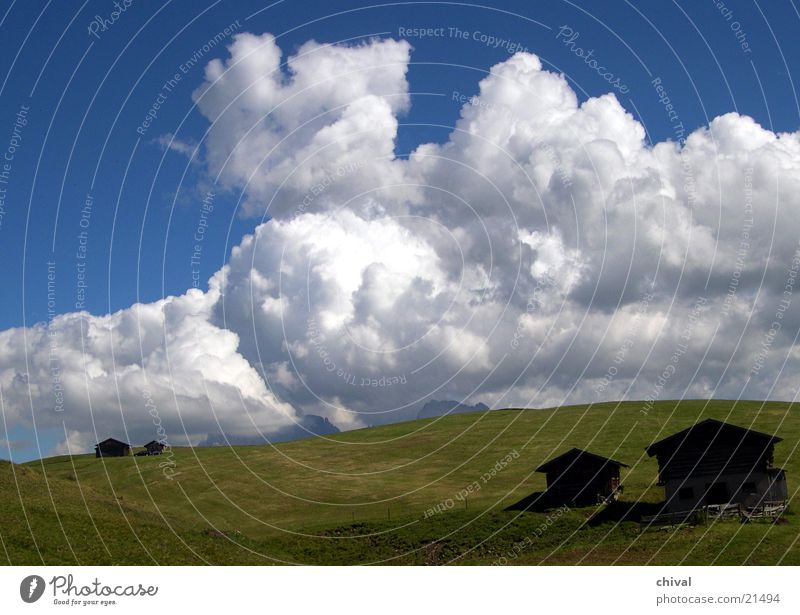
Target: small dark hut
point(112, 448)
point(154, 447)
point(713, 462)
point(579, 477)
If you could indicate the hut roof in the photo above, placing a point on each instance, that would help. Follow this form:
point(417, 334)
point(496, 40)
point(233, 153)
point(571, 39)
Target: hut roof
point(112, 441)
point(577, 456)
point(711, 430)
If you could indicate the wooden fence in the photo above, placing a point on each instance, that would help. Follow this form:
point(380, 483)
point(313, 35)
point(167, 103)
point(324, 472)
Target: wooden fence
point(765, 510)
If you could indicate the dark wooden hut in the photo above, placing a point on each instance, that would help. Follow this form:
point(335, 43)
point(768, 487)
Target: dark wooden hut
point(579, 477)
point(154, 447)
point(713, 462)
point(112, 448)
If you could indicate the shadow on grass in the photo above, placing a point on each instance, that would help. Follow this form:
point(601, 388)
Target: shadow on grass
point(616, 511)
point(538, 501)
point(619, 511)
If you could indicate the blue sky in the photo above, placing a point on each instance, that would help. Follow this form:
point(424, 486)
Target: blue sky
point(87, 95)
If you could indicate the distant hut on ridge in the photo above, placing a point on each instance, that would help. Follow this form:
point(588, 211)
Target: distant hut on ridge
point(154, 447)
point(112, 448)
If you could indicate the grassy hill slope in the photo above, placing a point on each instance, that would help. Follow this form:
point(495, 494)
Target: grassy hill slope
point(388, 493)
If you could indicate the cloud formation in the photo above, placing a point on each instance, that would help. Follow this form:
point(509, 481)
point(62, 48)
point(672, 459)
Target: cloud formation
point(158, 370)
point(546, 253)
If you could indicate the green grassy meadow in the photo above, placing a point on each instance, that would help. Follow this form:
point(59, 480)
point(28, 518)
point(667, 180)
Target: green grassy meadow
point(390, 494)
